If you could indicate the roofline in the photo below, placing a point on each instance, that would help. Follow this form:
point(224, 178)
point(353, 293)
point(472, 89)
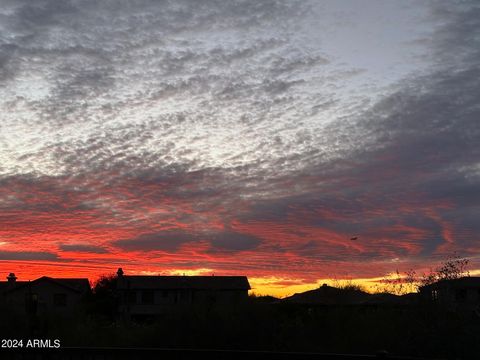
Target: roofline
point(443, 281)
point(182, 288)
point(127, 277)
point(53, 280)
point(184, 276)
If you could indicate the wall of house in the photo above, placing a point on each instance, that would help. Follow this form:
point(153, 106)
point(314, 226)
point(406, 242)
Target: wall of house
point(453, 296)
point(220, 296)
point(49, 298)
point(157, 301)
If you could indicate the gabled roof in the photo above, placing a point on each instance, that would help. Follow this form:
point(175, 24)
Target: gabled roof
point(184, 282)
point(78, 285)
point(328, 295)
point(467, 281)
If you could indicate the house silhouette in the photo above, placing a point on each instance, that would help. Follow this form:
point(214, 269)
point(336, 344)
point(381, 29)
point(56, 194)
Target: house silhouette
point(140, 295)
point(462, 294)
point(45, 295)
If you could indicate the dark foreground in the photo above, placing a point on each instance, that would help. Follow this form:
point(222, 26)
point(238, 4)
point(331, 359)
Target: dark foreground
point(275, 331)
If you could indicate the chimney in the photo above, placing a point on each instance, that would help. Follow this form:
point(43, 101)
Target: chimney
point(121, 280)
point(11, 278)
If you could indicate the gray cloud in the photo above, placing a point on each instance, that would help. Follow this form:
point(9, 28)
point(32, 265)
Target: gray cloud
point(418, 165)
point(91, 61)
point(233, 241)
point(83, 248)
point(172, 240)
point(27, 255)
point(169, 241)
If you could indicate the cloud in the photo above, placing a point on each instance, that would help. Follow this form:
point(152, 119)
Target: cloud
point(173, 240)
point(94, 75)
point(232, 241)
point(27, 255)
point(82, 248)
point(407, 178)
point(168, 241)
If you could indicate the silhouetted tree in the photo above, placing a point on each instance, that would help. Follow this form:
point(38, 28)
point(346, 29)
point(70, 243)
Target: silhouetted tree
point(103, 300)
point(399, 284)
point(454, 267)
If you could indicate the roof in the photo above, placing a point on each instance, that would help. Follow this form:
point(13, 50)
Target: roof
point(467, 281)
point(79, 285)
point(328, 295)
point(76, 284)
point(184, 282)
point(392, 299)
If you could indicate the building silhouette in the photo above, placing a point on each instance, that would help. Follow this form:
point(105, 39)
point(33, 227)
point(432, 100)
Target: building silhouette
point(44, 296)
point(140, 295)
point(462, 294)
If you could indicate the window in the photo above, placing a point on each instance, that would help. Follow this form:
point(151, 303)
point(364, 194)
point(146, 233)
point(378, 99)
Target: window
point(434, 295)
point(147, 297)
point(60, 300)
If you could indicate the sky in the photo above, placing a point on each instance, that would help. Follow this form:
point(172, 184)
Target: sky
point(239, 138)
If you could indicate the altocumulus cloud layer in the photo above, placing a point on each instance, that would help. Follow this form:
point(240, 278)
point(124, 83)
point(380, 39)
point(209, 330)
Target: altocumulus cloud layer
point(239, 136)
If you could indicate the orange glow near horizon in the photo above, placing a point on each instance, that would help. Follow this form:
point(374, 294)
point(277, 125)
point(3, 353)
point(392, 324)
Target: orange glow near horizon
point(268, 285)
